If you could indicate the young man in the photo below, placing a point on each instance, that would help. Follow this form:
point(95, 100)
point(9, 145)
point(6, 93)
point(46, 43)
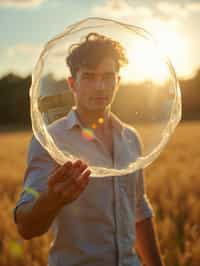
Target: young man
point(96, 221)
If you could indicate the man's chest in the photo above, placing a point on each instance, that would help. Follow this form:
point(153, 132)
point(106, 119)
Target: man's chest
point(106, 139)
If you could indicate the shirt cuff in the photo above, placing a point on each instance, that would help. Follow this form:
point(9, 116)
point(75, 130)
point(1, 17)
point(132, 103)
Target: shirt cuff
point(24, 198)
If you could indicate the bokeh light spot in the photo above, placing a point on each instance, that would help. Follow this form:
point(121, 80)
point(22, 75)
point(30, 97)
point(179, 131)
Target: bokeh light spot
point(100, 120)
point(87, 134)
point(94, 126)
point(15, 248)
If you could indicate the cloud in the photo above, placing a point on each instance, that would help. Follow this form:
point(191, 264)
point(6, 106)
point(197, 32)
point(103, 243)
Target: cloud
point(113, 8)
point(20, 58)
point(193, 6)
point(24, 49)
point(168, 10)
point(175, 10)
point(21, 3)
point(163, 10)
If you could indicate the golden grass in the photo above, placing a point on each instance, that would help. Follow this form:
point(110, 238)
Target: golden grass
point(173, 186)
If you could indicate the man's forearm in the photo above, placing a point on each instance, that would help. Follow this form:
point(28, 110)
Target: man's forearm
point(65, 185)
point(147, 244)
point(35, 218)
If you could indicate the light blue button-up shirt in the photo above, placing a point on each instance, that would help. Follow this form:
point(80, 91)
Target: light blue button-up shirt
point(97, 229)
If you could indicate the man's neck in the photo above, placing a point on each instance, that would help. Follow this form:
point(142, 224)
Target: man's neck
point(100, 123)
point(94, 120)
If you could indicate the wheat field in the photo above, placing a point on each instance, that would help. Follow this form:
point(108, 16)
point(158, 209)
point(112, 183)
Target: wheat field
point(172, 184)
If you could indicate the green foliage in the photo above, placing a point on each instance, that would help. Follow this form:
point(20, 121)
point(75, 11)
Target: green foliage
point(15, 104)
point(14, 101)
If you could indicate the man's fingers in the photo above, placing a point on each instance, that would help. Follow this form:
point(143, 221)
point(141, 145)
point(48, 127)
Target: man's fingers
point(70, 191)
point(62, 187)
point(59, 172)
point(83, 179)
point(79, 185)
point(77, 170)
point(75, 173)
point(70, 180)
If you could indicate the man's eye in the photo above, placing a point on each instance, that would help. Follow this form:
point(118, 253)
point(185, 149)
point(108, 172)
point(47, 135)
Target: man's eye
point(109, 76)
point(88, 76)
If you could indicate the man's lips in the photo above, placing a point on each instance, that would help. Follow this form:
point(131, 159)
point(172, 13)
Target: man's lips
point(100, 98)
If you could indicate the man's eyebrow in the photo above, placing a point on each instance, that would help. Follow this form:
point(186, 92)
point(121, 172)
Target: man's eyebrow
point(94, 72)
point(109, 72)
point(88, 72)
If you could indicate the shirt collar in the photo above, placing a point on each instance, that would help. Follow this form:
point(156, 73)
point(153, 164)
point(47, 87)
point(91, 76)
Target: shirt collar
point(72, 120)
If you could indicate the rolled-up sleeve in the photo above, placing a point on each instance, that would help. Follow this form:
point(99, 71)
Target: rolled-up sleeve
point(143, 207)
point(39, 166)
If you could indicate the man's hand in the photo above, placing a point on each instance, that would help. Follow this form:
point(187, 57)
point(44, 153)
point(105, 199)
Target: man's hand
point(67, 182)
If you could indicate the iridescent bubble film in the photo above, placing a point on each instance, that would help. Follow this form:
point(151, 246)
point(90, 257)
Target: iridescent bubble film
point(144, 104)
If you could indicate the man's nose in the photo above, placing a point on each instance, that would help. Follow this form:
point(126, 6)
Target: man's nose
point(99, 83)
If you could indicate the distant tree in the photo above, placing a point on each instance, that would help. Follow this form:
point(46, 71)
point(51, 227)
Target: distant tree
point(15, 103)
point(190, 90)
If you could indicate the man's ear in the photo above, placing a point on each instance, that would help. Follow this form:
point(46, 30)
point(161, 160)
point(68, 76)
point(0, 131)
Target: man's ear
point(118, 80)
point(71, 84)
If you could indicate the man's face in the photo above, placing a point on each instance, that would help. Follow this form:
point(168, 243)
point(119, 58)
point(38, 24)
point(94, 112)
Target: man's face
point(94, 89)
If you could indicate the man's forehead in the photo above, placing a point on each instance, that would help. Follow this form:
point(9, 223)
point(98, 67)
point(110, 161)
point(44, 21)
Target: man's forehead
point(96, 71)
point(107, 65)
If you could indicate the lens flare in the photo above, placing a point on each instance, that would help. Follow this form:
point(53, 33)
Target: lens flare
point(94, 126)
point(100, 120)
point(32, 191)
point(87, 134)
point(15, 248)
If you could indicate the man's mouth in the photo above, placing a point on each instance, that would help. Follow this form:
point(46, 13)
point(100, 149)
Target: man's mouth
point(101, 98)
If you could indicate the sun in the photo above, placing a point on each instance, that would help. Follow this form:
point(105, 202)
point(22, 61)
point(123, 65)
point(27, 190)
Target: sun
point(147, 60)
point(173, 43)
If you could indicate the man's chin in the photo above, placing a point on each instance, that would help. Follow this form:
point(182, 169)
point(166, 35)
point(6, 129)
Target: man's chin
point(98, 108)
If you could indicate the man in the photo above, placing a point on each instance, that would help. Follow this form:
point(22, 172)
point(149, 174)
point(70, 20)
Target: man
point(96, 221)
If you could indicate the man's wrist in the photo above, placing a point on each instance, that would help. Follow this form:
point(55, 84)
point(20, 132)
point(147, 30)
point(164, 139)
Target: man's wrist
point(52, 202)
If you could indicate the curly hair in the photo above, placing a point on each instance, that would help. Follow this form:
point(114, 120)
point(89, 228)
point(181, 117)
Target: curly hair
point(92, 50)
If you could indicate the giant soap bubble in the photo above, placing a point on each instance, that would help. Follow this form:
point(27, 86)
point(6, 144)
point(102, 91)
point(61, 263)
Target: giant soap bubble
point(115, 114)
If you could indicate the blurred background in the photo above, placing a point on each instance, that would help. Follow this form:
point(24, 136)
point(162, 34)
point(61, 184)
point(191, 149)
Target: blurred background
point(26, 26)
point(172, 181)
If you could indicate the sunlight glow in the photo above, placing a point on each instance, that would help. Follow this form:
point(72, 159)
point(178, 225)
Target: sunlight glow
point(173, 43)
point(147, 62)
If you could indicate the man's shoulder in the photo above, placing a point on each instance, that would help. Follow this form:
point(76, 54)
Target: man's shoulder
point(125, 127)
point(57, 125)
point(63, 124)
point(133, 135)
point(129, 132)
point(37, 150)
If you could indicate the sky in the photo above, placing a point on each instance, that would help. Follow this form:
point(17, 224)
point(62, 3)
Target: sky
point(26, 25)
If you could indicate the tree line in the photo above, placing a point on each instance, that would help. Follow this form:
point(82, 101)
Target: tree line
point(15, 102)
